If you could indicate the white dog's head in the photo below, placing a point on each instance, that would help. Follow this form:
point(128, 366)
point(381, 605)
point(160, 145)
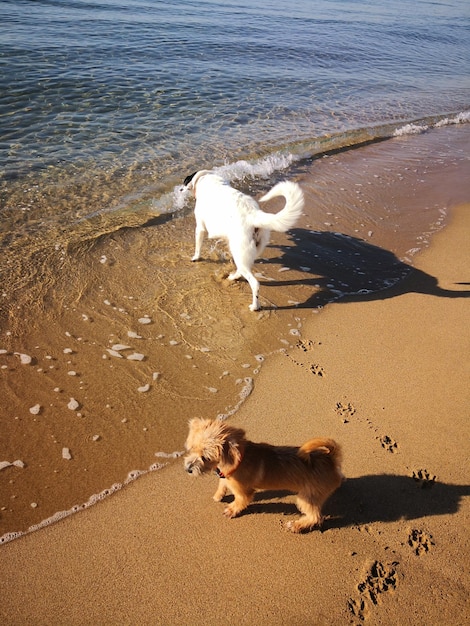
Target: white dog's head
point(211, 444)
point(191, 180)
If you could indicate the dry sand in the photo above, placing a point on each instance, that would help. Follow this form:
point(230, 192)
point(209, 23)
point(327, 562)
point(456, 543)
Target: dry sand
point(388, 378)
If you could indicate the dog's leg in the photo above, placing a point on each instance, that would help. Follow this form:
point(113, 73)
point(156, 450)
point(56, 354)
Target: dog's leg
point(311, 509)
point(221, 490)
point(200, 233)
point(254, 284)
point(234, 275)
point(243, 497)
point(244, 255)
point(262, 241)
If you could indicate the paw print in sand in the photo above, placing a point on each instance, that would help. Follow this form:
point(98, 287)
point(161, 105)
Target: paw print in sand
point(317, 370)
point(306, 345)
point(388, 444)
point(423, 478)
point(381, 578)
point(345, 411)
point(420, 541)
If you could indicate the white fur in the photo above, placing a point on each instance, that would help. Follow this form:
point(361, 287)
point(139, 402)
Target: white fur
point(223, 212)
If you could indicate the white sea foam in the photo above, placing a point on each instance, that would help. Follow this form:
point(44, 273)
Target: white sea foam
point(94, 499)
point(243, 395)
point(169, 455)
point(260, 168)
point(410, 129)
point(416, 128)
point(461, 118)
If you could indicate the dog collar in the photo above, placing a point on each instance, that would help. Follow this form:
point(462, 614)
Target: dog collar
point(220, 473)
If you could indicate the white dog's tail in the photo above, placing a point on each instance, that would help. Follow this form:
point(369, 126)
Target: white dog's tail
point(289, 215)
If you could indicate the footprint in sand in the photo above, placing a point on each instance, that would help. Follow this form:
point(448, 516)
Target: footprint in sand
point(420, 541)
point(379, 579)
point(423, 478)
point(389, 444)
point(345, 411)
point(317, 370)
point(306, 345)
point(358, 608)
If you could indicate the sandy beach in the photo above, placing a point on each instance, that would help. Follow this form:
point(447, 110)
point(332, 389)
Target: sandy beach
point(112, 339)
point(388, 378)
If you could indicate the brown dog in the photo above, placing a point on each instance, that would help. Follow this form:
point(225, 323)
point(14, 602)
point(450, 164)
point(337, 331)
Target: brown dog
point(312, 471)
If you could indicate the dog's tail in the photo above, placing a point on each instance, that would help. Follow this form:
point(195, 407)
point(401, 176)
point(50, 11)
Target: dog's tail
point(321, 447)
point(288, 216)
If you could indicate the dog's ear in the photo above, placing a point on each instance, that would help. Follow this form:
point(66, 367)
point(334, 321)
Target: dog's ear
point(231, 453)
point(188, 181)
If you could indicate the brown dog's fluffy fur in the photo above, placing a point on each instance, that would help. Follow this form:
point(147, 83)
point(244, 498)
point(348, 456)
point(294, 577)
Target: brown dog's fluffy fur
point(313, 471)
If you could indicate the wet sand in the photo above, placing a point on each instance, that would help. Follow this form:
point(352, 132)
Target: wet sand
point(387, 376)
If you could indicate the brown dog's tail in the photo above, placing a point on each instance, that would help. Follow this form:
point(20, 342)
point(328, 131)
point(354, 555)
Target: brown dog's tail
point(323, 447)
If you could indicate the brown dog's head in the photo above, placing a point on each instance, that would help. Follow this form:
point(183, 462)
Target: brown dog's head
point(211, 444)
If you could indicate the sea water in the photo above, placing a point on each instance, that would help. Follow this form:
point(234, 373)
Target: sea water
point(106, 106)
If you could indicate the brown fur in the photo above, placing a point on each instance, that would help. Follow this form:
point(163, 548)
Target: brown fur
point(313, 471)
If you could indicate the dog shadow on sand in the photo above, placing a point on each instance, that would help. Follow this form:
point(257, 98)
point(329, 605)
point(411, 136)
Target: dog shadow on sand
point(335, 265)
point(373, 498)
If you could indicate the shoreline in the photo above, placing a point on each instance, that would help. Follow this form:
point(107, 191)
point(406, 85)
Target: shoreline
point(387, 379)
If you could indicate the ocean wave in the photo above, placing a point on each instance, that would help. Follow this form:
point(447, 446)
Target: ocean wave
point(410, 129)
point(415, 128)
point(261, 168)
point(283, 157)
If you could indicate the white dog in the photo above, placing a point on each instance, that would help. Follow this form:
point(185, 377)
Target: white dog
point(223, 212)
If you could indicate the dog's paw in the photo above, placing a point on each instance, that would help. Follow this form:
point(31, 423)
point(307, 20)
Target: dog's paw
point(254, 307)
point(195, 258)
point(294, 527)
point(230, 512)
point(302, 526)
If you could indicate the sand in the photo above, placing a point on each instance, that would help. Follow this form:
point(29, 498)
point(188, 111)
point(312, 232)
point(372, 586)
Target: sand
point(388, 378)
